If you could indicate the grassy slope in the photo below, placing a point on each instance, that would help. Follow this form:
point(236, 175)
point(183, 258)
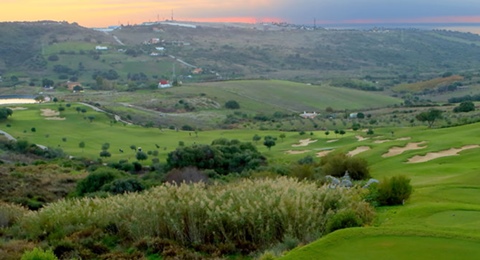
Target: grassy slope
point(444, 209)
point(427, 85)
point(439, 221)
point(267, 95)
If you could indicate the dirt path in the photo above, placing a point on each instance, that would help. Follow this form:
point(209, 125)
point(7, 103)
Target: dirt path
point(399, 150)
point(435, 155)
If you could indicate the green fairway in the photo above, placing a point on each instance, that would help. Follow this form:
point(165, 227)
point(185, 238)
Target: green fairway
point(370, 244)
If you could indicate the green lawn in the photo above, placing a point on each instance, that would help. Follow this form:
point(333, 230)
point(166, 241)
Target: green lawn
point(442, 218)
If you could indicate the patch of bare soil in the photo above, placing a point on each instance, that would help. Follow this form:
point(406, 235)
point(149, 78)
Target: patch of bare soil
point(323, 153)
point(49, 112)
point(399, 150)
point(431, 156)
point(297, 152)
point(358, 150)
point(304, 142)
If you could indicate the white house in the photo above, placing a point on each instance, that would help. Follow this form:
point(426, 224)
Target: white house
point(164, 84)
point(309, 115)
point(101, 48)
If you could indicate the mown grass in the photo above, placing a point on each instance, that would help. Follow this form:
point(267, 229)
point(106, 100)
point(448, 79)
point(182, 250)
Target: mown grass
point(376, 243)
point(441, 218)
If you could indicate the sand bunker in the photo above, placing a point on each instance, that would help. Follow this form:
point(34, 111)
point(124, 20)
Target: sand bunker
point(361, 138)
point(431, 156)
point(297, 152)
point(404, 139)
point(332, 141)
point(55, 118)
point(323, 153)
point(49, 112)
point(18, 108)
point(399, 150)
point(304, 142)
point(358, 150)
point(17, 101)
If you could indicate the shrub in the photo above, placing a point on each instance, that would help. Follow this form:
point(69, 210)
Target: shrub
point(95, 180)
point(232, 104)
point(124, 185)
point(10, 213)
point(336, 164)
point(394, 191)
point(39, 254)
point(344, 219)
point(245, 215)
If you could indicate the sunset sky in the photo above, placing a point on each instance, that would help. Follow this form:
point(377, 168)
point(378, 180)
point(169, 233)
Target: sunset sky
point(98, 13)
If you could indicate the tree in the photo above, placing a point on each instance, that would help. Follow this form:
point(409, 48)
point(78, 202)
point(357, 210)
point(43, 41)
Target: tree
point(5, 112)
point(141, 156)
point(91, 118)
point(55, 99)
point(269, 141)
point(105, 153)
point(327, 133)
point(429, 116)
point(465, 106)
point(232, 104)
point(256, 138)
point(342, 132)
point(282, 136)
point(77, 88)
point(133, 147)
point(356, 126)
point(81, 145)
point(105, 146)
point(47, 83)
point(223, 156)
point(360, 115)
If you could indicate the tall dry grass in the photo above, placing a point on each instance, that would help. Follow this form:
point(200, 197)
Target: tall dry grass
point(254, 212)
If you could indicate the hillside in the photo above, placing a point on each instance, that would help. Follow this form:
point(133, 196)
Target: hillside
point(383, 57)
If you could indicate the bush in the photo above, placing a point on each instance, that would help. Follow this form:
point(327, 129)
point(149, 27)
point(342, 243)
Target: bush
point(232, 104)
point(393, 191)
point(10, 213)
point(124, 185)
point(336, 164)
point(344, 219)
point(39, 254)
point(465, 106)
point(96, 180)
point(244, 216)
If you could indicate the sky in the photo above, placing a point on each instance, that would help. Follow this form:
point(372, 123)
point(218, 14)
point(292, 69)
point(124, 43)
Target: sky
point(101, 13)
